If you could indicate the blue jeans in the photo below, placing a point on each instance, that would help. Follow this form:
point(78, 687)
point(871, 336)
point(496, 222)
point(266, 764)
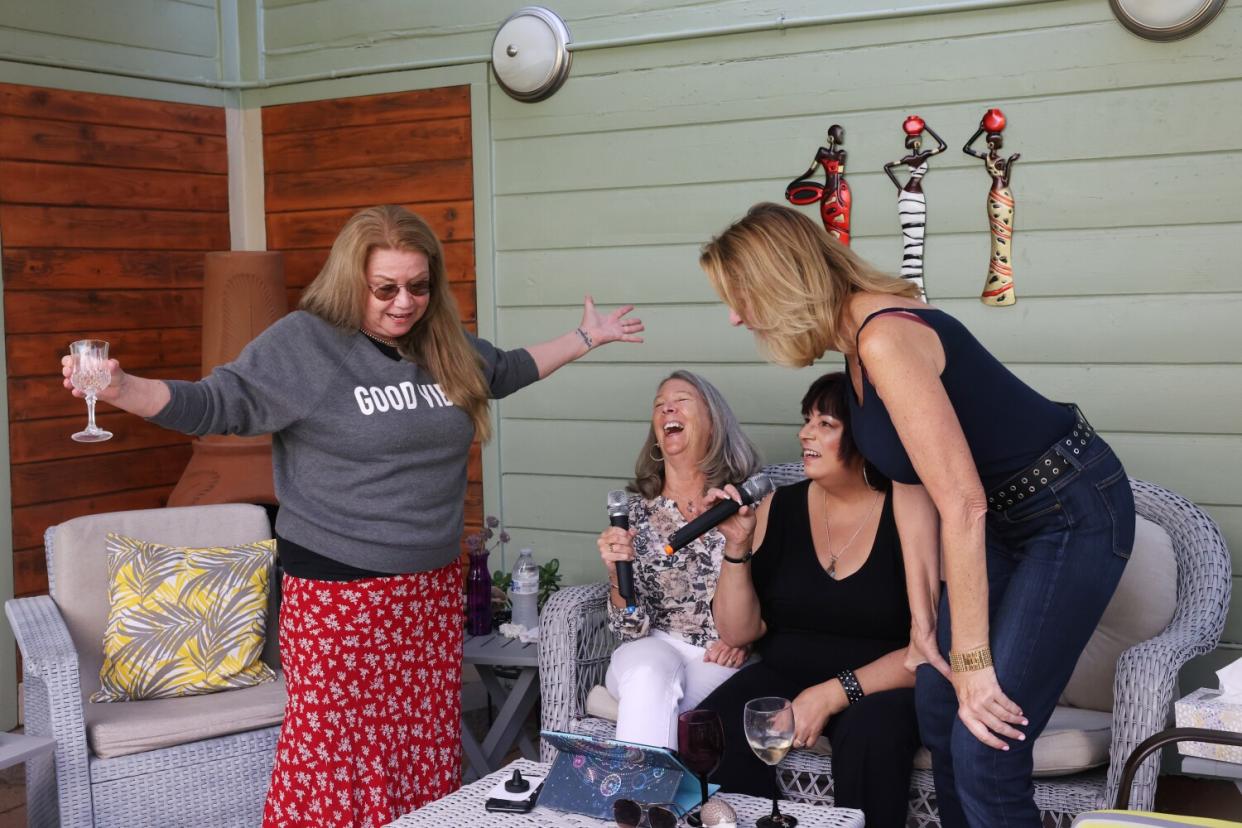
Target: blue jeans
point(1053, 563)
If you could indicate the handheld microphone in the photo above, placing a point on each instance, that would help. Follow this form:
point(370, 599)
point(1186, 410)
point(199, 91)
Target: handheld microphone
point(619, 515)
point(755, 488)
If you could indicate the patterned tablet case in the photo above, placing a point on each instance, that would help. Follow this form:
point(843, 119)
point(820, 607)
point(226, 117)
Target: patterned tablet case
point(589, 774)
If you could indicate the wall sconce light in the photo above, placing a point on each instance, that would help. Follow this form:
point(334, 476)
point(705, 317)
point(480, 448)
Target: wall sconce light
point(1165, 19)
point(530, 55)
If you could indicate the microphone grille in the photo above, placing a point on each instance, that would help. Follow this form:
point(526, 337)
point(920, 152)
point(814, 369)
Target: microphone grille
point(618, 502)
point(756, 488)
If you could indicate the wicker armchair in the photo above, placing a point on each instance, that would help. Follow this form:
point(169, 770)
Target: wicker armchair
point(576, 646)
point(220, 781)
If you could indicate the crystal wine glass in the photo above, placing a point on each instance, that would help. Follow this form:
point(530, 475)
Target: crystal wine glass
point(90, 375)
point(700, 746)
point(769, 726)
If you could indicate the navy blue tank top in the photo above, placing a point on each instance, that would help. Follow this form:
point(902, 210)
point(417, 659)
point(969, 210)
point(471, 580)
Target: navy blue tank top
point(1006, 422)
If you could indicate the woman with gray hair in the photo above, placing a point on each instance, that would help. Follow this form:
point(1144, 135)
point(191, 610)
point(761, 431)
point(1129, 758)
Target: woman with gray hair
point(672, 657)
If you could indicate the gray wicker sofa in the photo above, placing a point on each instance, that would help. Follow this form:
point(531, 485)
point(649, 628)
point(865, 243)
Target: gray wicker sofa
point(576, 645)
point(195, 761)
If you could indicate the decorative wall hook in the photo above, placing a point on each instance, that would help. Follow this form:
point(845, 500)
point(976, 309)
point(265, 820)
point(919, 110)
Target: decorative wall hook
point(834, 194)
point(998, 289)
point(911, 201)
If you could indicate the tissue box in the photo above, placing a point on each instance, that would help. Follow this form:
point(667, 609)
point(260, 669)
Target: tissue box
point(1203, 708)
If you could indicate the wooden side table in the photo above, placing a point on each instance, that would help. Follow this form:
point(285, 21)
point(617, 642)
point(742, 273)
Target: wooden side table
point(486, 652)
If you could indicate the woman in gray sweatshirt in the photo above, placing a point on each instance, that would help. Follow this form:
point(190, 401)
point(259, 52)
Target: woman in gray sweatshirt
point(373, 393)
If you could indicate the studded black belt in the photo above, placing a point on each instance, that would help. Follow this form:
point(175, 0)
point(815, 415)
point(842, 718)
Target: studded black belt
point(1050, 465)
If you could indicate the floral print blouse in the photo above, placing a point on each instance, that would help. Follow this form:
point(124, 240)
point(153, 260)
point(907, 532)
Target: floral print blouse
point(674, 592)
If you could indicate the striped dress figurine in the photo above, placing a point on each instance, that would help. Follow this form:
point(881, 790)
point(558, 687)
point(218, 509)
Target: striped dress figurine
point(998, 289)
point(911, 201)
point(833, 196)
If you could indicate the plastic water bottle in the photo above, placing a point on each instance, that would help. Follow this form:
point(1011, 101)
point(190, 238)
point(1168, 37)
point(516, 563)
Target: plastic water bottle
point(524, 591)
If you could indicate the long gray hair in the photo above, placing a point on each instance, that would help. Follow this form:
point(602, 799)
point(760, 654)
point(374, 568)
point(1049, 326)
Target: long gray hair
point(731, 456)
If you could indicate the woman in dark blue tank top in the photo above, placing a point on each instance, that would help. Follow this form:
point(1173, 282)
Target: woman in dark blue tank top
point(1025, 509)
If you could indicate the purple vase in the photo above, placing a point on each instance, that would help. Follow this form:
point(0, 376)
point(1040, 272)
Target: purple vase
point(478, 595)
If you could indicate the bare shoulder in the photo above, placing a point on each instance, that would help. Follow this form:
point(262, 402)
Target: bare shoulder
point(896, 335)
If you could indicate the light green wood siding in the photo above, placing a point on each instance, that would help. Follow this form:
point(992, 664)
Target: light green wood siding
point(1127, 221)
point(173, 39)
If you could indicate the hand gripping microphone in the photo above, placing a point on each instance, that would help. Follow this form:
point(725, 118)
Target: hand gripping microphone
point(619, 515)
point(754, 489)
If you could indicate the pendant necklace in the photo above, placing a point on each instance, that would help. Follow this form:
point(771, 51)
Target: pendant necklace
point(832, 563)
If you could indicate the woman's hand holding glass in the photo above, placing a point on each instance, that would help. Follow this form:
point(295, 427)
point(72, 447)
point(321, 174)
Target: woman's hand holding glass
point(89, 373)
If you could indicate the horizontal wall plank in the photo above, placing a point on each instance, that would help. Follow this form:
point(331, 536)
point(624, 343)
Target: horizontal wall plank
point(31, 398)
point(19, 101)
point(37, 440)
point(1054, 59)
point(57, 269)
point(388, 184)
point(657, 215)
point(58, 480)
point(387, 108)
point(1176, 259)
point(453, 220)
point(176, 27)
point(100, 57)
point(359, 146)
point(1200, 399)
point(1205, 467)
point(576, 552)
point(1122, 329)
point(29, 572)
point(114, 145)
point(70, 311)
point(30, 522)
point(79, 186)
point(302, 266)
point(38, 354)
point(766, 148)
point(88, 227)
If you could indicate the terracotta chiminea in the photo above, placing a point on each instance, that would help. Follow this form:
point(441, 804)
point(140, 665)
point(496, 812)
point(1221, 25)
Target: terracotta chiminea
point(243, 293)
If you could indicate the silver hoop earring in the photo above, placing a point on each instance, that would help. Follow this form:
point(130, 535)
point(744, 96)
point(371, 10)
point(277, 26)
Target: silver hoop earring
point(865, 478)
point(654, 448)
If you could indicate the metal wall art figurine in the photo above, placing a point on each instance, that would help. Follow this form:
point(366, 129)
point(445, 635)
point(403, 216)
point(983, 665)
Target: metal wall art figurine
point(834, 195)
point(998, 289)
point(911, 202)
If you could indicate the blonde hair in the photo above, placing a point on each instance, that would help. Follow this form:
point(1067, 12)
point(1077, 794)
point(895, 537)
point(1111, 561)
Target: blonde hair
point(731, 456)
point(437, 342)
point(789, 279)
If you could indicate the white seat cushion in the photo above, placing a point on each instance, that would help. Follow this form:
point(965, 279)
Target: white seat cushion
point(122, 728)
point(1073, 741)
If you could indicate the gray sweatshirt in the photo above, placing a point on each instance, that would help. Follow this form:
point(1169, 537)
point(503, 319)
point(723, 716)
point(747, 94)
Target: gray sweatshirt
point(369, 456)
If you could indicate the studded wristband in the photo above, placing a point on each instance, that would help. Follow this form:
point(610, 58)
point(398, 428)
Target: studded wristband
point(849, 683)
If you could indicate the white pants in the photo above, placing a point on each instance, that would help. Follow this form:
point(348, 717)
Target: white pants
point(655, 679)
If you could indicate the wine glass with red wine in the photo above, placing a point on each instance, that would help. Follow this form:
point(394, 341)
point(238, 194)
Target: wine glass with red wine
point(700, 745)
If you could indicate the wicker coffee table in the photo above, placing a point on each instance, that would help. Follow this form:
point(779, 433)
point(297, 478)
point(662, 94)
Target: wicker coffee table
point(466, 808)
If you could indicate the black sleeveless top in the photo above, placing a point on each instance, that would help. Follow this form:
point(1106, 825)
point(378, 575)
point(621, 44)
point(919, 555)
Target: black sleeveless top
point(818, 627)
point(1006, 422)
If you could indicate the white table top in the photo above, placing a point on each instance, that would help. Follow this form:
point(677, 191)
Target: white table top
point(465, 807)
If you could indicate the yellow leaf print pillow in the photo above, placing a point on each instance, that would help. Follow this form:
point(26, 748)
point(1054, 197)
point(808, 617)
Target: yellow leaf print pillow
point(183, 622)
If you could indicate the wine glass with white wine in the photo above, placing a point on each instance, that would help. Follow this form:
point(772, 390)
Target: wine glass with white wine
point(769, 726)
point(90, 375)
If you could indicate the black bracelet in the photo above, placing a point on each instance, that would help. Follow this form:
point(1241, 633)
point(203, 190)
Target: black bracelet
point(849, 682)
point(741, 560)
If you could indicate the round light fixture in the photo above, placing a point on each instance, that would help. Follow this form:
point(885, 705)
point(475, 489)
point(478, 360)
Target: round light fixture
point(530, 55)
point(1165, 19)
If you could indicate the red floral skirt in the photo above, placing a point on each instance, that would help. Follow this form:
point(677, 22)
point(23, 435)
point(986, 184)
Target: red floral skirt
point(372, 727)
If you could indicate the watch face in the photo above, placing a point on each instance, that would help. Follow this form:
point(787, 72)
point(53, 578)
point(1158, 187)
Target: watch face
point(1165, 19)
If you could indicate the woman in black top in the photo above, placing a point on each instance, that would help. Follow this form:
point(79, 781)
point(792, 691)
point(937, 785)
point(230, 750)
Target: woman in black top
point(823, 598)
point(1033, 510)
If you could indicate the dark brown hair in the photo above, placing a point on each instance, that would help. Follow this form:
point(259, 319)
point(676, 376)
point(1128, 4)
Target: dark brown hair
point(827, 395)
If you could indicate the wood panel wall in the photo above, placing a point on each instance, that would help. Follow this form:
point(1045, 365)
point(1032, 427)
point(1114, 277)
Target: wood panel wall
point(325, 160)
point(107, 205)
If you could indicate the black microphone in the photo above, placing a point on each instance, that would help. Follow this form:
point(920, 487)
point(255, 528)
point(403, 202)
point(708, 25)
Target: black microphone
point(619, 515)
point(755, 488)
